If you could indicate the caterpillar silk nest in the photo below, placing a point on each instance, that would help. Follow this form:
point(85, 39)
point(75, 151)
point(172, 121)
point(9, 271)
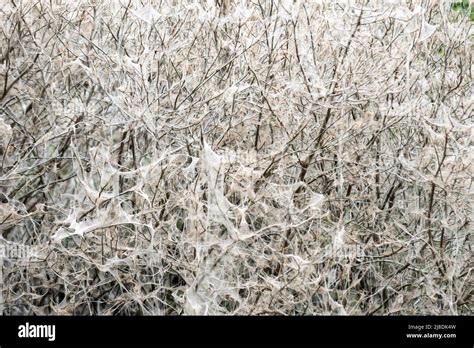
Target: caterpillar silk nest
point(5, 132)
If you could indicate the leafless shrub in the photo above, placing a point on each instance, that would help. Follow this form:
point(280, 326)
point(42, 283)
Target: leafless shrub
point(236, 157)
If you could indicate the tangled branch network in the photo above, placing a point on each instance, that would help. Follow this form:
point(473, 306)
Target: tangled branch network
point(236, 157)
